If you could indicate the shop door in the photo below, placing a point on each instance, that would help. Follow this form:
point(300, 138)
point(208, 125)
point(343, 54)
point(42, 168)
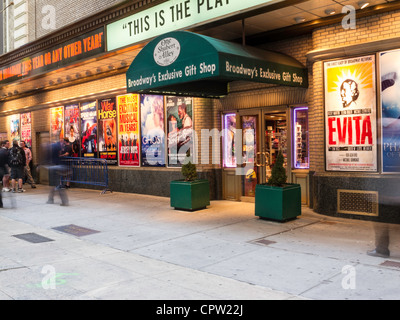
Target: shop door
point(251, 129)
point(275, 140)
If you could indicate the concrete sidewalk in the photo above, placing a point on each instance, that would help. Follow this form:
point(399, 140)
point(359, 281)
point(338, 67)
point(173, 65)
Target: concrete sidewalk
point(143, 249)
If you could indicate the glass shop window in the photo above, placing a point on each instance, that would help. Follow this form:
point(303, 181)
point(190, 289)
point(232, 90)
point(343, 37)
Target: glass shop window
point(229, 155)
point(300, 139)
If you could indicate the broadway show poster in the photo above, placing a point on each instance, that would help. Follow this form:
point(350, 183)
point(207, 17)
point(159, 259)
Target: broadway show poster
point(56, 124)
point(89, 129)
point(350, 114)
point(153, 133)
point(180, 129)
point(15, 128)
point(107, 118)
point(128, 130)
point(249, 127)
point(72, 132)
point(390, 100)
point(26, 128)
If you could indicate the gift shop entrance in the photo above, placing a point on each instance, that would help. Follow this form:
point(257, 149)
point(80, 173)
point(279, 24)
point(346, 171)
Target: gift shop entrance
point(265, 133)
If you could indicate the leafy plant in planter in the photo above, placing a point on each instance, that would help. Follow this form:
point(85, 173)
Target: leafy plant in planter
point(189, 170)
point(191, 193)
point(278, 174)
point(278, 200)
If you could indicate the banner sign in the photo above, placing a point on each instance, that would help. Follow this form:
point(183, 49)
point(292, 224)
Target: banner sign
point(80, 48)
point(56, 124)
point(390, 102)
point(180, 129)
point(153, 133)
point(26, 128)
point(128, 130)
point(173, 15)
point(350, 114)
point(107, 117)
point(89, 129)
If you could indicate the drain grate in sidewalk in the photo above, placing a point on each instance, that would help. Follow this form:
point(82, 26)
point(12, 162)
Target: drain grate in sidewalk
point(32, 238)
point(389, 263)
point(76, 230)
point(263, 242)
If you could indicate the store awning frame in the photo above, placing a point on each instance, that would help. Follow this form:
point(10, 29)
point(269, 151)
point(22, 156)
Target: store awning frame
point(189, 64)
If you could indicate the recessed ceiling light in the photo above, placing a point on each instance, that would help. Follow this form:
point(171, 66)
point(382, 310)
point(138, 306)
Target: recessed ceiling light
point(363, 4)
point(330, 11)
point(299, 19)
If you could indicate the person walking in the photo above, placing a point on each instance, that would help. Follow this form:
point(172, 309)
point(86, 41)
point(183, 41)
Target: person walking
point(27, 169)
point(17, 162)
point(3, 168)
point(5, 145)
point(56, 170)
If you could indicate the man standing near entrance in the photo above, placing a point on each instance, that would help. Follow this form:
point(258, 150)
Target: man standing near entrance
point(27, 169)
point(17, 162)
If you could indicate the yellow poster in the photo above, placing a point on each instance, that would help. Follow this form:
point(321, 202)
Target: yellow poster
point(350, 114)
point(56, 124)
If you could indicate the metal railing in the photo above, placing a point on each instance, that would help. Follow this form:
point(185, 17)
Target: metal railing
point(87, 171)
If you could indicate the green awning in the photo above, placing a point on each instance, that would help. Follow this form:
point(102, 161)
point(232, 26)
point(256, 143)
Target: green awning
point(189, 64)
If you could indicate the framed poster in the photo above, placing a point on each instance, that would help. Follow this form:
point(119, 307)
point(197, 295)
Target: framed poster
point(390, 106)
point(350, 115)
point(56, 124)
point(89, 129)
point(72, 130)
point(128, 130)
point(229, 149)
point(107, 118)
point(26, 128)
point(179, 128)
point(249, 149)
point(153, 131)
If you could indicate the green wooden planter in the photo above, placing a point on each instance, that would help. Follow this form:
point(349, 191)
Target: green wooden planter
point(190, 195)
point(278, 203)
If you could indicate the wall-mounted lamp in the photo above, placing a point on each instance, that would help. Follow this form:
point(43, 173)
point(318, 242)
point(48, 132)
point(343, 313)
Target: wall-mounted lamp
point(363, 4)
point(299, 19)
point(9, 5)
point(330, 11)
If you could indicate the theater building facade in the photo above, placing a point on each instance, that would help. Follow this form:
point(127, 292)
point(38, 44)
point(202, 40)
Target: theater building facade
point(142, 82)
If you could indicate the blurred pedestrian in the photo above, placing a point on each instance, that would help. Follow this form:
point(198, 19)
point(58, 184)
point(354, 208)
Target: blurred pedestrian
point(56, 170)
point(5, 145)
point(3, 169)
point(27, 169)
point(17, 162)
point(389, 215)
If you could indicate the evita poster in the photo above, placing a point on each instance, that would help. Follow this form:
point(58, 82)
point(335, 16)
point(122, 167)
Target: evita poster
point(107, 121)
point(390, 100)
point(89, 129)
point(152, 125)
point(350, 114)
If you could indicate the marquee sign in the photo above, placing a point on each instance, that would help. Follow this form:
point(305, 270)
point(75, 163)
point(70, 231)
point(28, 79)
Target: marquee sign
point(80, 48)
point(173, 15)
